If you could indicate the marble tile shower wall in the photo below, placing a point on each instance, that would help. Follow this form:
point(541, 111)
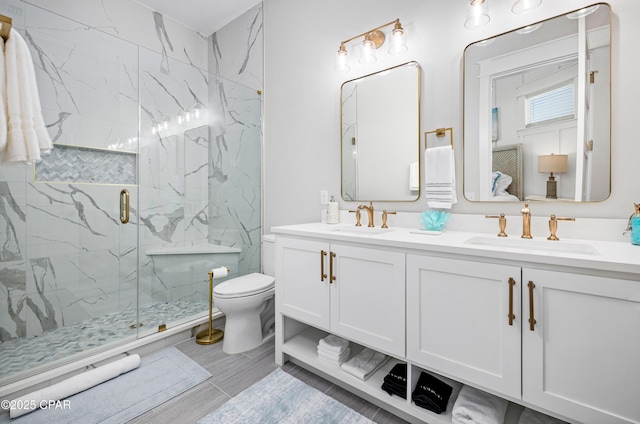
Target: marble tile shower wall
point(235, 64)
point(64, 256)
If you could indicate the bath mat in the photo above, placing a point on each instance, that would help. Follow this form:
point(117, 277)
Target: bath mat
point(160, 377)
point(281, 398)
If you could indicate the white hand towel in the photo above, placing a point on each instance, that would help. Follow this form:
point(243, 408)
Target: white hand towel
point(333, 343)
point(440, 177)
point(529, 416)
point(477, 407)
point(27, 135)
point(3, 100)
point(365, 363)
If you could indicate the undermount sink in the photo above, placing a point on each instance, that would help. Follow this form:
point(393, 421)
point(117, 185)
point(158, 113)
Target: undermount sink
point(362, 230)
point(537, 245)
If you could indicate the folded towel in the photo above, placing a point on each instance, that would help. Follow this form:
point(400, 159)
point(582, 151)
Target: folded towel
point(395, 383)
point(365, 363)
point(333, 355)
point(431, 393)
point(335, 359)
point(395, 389)
point(475, 406)
point(333, 343)
point(398, 374)
point(440, 177)
point(27, 135)
point(529, 416)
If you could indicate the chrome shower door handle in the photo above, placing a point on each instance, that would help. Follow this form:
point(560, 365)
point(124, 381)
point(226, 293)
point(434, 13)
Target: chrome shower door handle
point(124, 206)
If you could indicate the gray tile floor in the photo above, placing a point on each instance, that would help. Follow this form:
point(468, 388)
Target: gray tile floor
point(231, 374)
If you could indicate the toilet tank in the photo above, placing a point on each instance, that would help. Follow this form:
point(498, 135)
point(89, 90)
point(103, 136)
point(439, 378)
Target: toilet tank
point(268, 254)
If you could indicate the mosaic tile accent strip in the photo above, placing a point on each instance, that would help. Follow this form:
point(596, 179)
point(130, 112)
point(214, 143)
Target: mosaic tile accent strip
point(84, 165)
point(27, 353)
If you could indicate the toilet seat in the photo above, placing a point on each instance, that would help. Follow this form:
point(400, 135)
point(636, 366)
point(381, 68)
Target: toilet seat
point(246, 285)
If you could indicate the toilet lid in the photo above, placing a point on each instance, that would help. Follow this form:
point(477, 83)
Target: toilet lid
point(245, 285)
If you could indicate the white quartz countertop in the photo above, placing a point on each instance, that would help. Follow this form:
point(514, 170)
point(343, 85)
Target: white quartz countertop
point(599, 255)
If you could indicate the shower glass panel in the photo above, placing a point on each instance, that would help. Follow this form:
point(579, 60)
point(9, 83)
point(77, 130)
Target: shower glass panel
point(68, 267)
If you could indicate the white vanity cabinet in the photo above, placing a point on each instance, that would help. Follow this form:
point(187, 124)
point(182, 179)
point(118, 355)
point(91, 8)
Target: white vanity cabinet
point(582, 357)
point(354, 292)
point(463, 320)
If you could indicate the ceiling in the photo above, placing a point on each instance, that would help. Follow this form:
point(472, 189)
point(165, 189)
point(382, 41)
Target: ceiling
point(204, 16)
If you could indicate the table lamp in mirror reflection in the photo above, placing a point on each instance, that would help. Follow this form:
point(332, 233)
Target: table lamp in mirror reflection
point(552, 164)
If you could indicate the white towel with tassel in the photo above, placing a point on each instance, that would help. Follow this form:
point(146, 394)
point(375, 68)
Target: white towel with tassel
point(27, 136)
point(477, 407)
point(440, 177)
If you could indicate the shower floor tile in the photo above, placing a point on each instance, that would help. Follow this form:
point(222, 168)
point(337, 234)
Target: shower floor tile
point(27, 353)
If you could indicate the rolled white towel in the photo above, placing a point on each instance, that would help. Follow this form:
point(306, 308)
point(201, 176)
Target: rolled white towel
point(529, 416)
point(333, 343)
point(477, 407)
point(365, 363)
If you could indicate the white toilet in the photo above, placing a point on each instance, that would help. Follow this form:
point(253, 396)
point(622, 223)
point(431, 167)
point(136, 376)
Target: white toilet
point(248, 305)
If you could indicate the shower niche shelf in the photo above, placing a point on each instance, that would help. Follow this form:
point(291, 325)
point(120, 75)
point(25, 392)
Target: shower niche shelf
point(76, 164)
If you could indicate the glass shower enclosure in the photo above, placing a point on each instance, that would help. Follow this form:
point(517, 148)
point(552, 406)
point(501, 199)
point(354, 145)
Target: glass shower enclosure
point(147, 153)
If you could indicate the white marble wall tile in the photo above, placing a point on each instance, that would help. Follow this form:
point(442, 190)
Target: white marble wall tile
point(13, 288)
point(75, 65)
point(12, 221)
point(235, 51)
point(136, 23)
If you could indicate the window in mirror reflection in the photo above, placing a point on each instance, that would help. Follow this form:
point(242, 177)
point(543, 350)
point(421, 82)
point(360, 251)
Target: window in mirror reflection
point(532, 94)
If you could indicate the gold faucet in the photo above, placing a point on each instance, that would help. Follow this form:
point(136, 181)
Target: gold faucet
point(502, 222)
point(357, 212)
point(369, 210)
point(384, 218)
point(526, 222)
point(553, 226)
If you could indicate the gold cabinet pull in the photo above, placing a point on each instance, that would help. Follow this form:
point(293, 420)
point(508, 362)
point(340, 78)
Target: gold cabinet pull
point(512, 283)
point(322, 274)
point(332, 277)
point(532, 320)
point(124, 206)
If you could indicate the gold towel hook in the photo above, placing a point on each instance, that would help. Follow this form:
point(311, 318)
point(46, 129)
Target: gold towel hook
point(5, 29)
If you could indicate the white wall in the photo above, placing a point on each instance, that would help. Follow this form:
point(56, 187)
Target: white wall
point(302, 94)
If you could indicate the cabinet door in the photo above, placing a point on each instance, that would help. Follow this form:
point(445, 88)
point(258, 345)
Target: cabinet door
point(302, 291)
point(368, 297)
point(458, 320)
point(582, 358)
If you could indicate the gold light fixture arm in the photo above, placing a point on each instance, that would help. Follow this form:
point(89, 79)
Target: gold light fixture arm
point(373, 38)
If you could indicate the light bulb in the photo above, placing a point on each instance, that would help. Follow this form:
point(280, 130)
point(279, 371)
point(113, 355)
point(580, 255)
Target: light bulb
point(477, 14)
point(367, 56)
point(397, 44)
point(522, 6)
point(341, 60)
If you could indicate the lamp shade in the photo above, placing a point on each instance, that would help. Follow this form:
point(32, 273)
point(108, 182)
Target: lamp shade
point(555, 164)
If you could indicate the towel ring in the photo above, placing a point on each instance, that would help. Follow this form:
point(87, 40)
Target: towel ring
point(440, 132)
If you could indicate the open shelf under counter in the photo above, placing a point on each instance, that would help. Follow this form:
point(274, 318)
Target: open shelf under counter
point(303, 348)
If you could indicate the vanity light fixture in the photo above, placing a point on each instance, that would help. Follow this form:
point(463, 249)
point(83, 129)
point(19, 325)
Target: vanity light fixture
point(477, 14)
point(523, 6)
point(373, 39)
point(550, 164)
